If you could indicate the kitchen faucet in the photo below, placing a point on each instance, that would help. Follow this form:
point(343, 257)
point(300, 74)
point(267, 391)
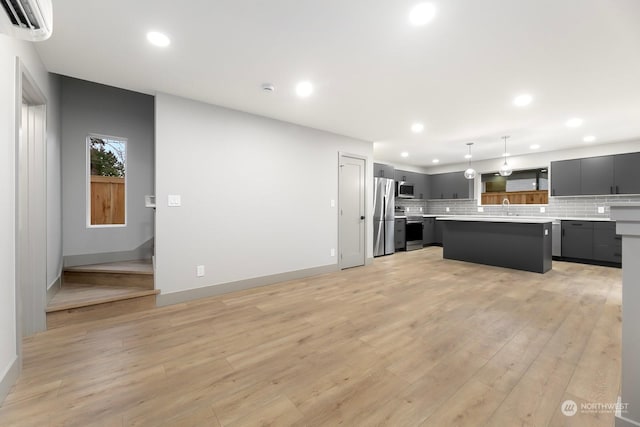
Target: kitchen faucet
point(505, 206)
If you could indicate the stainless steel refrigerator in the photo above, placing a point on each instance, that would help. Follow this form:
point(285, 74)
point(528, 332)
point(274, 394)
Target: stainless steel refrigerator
point(383, 216)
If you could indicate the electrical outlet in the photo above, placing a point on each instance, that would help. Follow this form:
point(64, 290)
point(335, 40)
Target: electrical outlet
point(333, 252)
point(480, 209)
point(447, 209)
point(200, 271)
point(174, 200)
point(600, 209)
point(543, 209)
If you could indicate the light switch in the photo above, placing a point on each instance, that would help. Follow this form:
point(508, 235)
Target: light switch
point(480, 209)
point(333, 203)
point(174, 200)
point(200, 271)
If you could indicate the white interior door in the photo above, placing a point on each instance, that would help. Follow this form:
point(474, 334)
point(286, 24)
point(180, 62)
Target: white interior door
point(352, 230)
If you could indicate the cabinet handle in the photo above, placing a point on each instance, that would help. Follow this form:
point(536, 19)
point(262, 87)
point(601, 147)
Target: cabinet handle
point(382, 174)
point(611, 190)
point(563, 232)
point(617, 190)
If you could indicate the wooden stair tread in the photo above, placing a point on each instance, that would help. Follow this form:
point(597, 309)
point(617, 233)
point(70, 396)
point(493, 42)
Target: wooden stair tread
point(143, 267)
point(77, 296)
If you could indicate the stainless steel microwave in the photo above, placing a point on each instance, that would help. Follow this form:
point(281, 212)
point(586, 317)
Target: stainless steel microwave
point(404, 190)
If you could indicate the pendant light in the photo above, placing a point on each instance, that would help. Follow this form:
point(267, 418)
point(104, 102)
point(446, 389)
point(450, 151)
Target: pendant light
point(470, 173)
point(505, 169)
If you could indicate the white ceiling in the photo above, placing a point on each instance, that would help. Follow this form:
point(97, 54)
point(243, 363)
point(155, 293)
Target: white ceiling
point(375, 74)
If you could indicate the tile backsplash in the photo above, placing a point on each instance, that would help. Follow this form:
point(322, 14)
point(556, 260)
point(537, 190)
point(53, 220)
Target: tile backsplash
point(580, 206)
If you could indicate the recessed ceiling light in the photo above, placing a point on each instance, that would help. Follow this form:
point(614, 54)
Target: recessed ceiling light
point(435, 161)
point(158, 39)
point(468, 156)
point(404, 154)
point(522, 100)
point(422, 13)
point(589, 138)
point(417, 127)
point(534, 146)
point(304, 89)
point(574, 122)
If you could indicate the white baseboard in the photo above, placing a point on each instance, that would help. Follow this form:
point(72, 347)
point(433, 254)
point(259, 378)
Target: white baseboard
point(240, 285)
point(8, 380)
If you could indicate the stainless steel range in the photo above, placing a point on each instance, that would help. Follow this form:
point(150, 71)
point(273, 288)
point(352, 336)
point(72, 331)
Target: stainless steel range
point(415, 227)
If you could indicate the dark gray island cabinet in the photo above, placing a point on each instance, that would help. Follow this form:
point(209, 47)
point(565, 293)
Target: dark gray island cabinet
point(518, 243)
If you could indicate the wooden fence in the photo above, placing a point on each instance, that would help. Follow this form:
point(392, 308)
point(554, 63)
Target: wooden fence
point(107, 200)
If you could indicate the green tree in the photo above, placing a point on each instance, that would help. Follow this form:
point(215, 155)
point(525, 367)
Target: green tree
point(104, 162)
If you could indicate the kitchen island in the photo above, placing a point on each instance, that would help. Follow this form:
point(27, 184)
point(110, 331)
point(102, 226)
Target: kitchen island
point(512, 242)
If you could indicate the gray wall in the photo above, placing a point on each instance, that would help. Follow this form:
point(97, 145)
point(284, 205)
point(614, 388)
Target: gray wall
point(256, 195)
point(93, 108)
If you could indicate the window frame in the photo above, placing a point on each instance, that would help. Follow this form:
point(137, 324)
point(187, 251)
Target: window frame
point(87, 173)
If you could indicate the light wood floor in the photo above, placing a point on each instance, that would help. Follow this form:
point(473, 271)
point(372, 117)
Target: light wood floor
point(412, 340)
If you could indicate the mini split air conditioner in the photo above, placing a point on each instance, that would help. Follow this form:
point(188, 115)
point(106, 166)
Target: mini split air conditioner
point(27, 19)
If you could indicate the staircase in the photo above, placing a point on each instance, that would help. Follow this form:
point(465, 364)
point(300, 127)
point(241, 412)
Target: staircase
point(100, 291)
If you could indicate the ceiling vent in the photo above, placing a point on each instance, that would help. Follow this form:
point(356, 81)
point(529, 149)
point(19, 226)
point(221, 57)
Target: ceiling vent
point(27, 19)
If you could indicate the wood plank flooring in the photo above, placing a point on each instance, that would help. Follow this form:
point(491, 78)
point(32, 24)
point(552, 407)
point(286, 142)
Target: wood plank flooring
point(411, 340)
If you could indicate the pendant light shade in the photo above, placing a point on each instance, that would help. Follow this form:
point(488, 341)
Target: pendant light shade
point(505, 169)
point(470, 173)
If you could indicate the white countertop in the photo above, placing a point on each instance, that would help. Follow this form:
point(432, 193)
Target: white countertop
point(510, 218)
point(478, 218)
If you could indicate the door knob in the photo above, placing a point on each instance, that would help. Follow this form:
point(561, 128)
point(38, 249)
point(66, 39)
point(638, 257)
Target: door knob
point(361, 216)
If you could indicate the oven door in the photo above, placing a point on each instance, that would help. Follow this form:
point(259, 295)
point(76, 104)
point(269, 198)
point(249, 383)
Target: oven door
point(414, 231)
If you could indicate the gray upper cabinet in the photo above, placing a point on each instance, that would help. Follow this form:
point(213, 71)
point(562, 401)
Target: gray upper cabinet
point(626, 168)
point(419, 181)
point(383, 171)
point(596, 175)
point(565, 178)
point(451, 185)
point(618, 174)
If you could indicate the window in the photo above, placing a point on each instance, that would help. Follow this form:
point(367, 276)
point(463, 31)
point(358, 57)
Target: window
point(524, 187)
point(106, 161)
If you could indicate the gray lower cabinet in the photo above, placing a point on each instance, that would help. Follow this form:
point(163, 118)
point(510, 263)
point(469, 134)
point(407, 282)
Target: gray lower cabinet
point(565, 178)
point(591, 240)
point(577, 239)
point(626, 169)
point(607, 245)
point(400, 234)
point(428, 231)
point(381, 170)
point(452, 185)
point(437, 236)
